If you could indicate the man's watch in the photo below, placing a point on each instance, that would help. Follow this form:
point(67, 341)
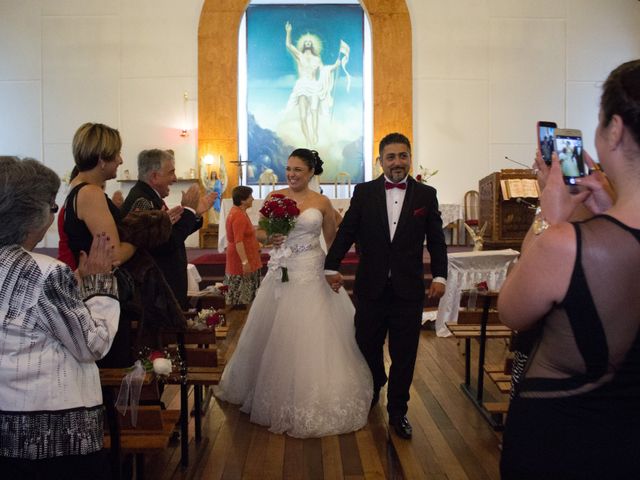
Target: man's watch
point(539, 223)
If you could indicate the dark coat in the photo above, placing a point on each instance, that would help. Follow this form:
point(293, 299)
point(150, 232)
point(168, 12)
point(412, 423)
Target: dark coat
point(366, 222)
point(171, 256)
point(153, 304)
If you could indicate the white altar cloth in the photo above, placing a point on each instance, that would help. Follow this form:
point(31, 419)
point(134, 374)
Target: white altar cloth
point(467, 269)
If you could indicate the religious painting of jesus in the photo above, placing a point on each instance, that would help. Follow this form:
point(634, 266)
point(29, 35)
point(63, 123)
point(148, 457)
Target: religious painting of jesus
point(305, 88)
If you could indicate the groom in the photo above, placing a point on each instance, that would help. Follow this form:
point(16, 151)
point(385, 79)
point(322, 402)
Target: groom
point(389, 218)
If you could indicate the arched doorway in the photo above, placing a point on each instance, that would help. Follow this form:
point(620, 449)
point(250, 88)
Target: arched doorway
point(218, 75)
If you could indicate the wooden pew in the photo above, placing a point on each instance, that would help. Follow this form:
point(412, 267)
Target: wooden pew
point(475, 324)
point(201, 369)
point(153, 429)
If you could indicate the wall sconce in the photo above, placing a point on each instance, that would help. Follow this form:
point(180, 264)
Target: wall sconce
point(184, 132)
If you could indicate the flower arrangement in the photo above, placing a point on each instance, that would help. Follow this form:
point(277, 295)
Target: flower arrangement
point(221, 288)
point(424, 174)
point(207, 318)
point(161, 362)
point(279, 215)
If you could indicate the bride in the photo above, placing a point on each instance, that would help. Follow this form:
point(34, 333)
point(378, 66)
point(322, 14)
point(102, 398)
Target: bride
point(297, 367)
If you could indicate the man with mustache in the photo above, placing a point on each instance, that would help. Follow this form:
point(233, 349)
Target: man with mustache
point(389, 218)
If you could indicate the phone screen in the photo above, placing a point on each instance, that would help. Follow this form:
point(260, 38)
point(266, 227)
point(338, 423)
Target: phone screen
point(546, 135)
point(569, 149)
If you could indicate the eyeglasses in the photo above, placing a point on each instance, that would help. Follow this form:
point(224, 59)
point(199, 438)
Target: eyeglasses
point(54, 208)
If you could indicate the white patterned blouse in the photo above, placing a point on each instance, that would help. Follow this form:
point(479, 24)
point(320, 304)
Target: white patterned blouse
point(51, 333)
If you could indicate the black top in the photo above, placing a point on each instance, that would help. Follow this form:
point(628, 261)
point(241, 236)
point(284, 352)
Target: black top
point(576, 413)
point(80, 237)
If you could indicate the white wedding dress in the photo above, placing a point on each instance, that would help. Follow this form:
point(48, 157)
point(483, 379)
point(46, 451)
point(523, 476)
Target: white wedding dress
point(297, 367)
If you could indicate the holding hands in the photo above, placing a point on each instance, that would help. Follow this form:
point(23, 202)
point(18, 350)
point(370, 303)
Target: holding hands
point(335, 281)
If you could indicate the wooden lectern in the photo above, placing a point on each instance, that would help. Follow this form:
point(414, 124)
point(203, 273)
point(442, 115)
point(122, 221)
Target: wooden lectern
point(508, 218)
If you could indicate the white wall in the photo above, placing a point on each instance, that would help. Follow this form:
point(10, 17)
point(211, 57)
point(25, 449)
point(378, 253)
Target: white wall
point(123, 63)
point(484, 71)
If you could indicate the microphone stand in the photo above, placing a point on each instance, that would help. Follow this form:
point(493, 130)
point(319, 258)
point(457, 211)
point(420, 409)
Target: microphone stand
point(529, 205)
point(518, 163)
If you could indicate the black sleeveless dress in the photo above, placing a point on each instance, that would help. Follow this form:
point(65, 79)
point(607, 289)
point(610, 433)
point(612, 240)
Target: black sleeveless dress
point(80, 239)
point(576, 412)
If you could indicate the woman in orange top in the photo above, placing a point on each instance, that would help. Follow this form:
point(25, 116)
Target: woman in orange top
point(242, 273)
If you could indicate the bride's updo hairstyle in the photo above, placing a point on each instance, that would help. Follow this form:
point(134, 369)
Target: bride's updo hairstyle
point(310, 158)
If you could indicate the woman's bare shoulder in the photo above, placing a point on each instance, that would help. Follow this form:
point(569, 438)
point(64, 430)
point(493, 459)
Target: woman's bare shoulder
point(91, 193)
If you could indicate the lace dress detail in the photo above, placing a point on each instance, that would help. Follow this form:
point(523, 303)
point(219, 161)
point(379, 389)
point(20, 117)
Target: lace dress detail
point(297, 367)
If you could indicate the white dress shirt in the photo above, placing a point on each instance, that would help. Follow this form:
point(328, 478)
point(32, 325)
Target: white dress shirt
point(395, 199)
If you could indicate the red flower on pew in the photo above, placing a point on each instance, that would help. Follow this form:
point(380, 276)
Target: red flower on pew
point(161, 362)
point(156, 354)
point(207, 318)
point(213, 319)
point(482, 286)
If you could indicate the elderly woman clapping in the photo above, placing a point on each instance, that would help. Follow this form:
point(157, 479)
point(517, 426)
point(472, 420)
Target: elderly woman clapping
point(54, 326)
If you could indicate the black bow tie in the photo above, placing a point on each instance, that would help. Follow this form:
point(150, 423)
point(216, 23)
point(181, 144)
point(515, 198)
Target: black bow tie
point(401, 186)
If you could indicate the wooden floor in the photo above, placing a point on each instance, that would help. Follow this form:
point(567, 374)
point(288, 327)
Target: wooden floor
point(450, 438)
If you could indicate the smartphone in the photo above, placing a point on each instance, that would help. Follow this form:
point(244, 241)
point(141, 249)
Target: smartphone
point(546, 133)
point(568, 145)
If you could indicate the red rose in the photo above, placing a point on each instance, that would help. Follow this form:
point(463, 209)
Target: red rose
point(277, 195)
point(213, 320)
point(156, 354)
point(419, 178)
point(223, 288)
point(293, 211)
point(482, 286)
point(279, 211)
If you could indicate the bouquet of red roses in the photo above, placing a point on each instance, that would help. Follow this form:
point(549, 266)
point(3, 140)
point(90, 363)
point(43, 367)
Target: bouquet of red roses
point(279, 216)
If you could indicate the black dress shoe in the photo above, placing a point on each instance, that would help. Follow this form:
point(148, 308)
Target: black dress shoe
point(401, 426)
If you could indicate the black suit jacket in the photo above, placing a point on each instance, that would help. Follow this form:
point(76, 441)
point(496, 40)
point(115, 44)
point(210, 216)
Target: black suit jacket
point(171, 256)
point(366, 222)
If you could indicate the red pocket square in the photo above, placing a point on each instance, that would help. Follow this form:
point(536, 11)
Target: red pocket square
point(420, 212)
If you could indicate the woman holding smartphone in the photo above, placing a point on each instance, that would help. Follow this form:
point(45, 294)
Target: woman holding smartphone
point(576, 410)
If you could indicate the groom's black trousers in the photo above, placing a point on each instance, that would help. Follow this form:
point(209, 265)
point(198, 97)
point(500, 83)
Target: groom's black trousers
point(402, 319)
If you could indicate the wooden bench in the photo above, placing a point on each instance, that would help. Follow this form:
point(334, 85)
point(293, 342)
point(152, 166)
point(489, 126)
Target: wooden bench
point(473, 316)
point(154, 426)
point(475, 331)
point(497, 410)
point(151, 434)
point(201, 369)
point(475, 323)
